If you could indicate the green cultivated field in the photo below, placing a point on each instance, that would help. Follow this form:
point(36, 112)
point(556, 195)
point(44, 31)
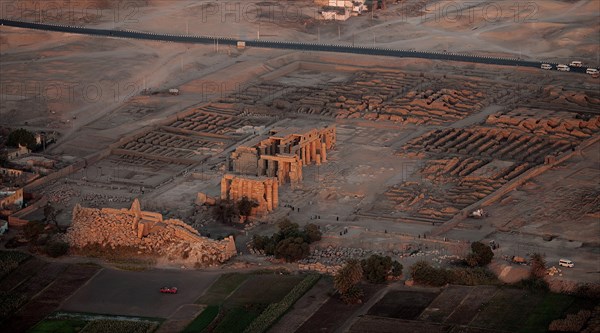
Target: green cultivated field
point(236, 300)
point(474, 309)
point(59, 326)
point(203, 320)
point(91, 323)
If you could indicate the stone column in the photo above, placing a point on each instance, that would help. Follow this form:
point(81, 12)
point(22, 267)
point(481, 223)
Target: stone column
point(323, 152)
point(269, 189)
point(271, 168)
point(286, 171)
point(248, 189)
point(280, 174)
point(318, 159)
point(313, 150)
point(224, 188)
point(261, 167)
point(304, 156)
point(238, 193)
point(275, 195)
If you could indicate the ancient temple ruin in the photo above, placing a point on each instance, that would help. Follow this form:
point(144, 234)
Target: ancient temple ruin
point(262, 190)
point(283, 153)
point(148, 232)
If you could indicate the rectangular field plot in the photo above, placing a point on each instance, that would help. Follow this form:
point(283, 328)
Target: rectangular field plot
point(445, 304)
point(334, 313)
point(551, 307)
point(508, 310)
point(470, 306)
point(402, 304)
point(389, 325)
point(263, 289)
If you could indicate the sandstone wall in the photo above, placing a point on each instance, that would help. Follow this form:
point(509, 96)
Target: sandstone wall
point(262, 190)
point(114, 228)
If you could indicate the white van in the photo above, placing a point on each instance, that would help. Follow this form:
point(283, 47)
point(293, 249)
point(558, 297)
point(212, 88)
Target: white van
point(563, 68)
point(565, 263)
point(546, 66)
point(576, 64)
point(591, 71)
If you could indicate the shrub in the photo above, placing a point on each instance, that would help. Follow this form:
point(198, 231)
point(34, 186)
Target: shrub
point(21, 137)
point(119, 326)
point(260, 242)
point(538, 266)
point(56, 249)
point(245, 206)
point(312, 232)
point(422, 272)
point(481, 255)
point(33, 229)
point(472, 276)
point(289, 243)
point(292, 249)
point(353, 295)
point(588, 290)
point(572, 323)
point(346, 280)
point(225, 211)
point(9, 260)
point(396, 268)
point(376, 268)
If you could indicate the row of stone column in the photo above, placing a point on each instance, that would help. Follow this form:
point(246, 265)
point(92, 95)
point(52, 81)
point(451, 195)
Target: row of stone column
point(313, 151)
point(264, 192)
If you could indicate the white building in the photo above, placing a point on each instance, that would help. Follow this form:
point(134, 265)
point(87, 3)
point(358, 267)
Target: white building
point(358, 7)
point(355, 6)
point(335, 13)
point(11, 197)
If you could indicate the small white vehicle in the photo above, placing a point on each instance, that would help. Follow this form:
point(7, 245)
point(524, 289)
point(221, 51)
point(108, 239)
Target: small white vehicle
point(576, 64)
point(591, 71)
point(563, 68)
point(565, 263)
point(546, 66)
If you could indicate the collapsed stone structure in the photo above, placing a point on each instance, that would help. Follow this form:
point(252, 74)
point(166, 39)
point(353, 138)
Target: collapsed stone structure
point(262, 165)
point(262, 190)
point(148, 232)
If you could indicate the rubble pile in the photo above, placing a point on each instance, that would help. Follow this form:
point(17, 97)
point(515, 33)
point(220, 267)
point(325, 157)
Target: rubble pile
point(554, 271)
point(383, 96)
point(506, 144)
point(98, 199)
point(61, 194)
point(173, 239)
point(557, 124)
point(320, 268)
point(336, 256)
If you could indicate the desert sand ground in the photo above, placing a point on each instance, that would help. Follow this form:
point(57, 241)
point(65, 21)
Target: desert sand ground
point(386, 180)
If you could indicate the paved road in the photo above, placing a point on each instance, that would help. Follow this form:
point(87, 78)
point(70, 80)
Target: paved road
point(282, 45)
point(138, 293)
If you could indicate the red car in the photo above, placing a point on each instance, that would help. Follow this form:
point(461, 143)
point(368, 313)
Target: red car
point(167, 290)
